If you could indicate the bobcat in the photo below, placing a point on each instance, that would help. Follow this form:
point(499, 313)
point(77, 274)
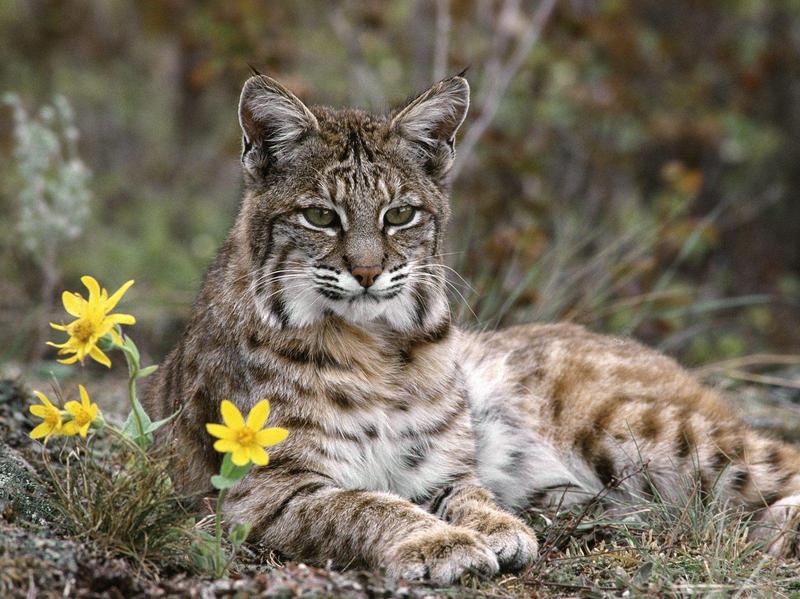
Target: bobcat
point(413, 443)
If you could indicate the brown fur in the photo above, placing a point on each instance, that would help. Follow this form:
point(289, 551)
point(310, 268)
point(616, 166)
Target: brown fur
point(411, 442)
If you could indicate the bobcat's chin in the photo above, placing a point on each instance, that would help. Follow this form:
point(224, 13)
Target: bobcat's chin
point(304, 306)
point(368, 307)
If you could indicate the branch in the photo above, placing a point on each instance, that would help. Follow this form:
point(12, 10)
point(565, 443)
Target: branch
point(441, 39)
point(499, 84)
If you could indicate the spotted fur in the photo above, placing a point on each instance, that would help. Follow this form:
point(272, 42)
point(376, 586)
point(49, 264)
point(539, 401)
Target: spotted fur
point(413, 443)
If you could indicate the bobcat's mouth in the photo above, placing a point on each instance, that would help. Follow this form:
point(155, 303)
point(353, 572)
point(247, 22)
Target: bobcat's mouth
point(338, 294)
point(365, 296)
point(342, 287)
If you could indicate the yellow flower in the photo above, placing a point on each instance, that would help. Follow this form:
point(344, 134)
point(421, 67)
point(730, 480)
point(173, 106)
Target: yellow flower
point(83, 414)
point(93, 322)
point(50, 415)
point(245, 441)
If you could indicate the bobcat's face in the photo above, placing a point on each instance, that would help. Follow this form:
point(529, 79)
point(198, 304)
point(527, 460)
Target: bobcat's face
point(345, 211)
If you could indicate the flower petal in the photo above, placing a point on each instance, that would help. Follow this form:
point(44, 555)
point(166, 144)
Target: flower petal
point(58, 327)
point(271, 436)
point(70, 360)
point(220, 431)
point(257, 417)
point(69, 429)
point(231, 415)
point(73, 407)
point(114, 299)
point(40, 431)
point(43, 398)
point(120, 319)
point(38, 411)
point(226, 445)
point(84, 396)
point(84, 430)
point(258, 456)
point(240, 456)
point(74, 304)
point(93, 286)
point(99, 356)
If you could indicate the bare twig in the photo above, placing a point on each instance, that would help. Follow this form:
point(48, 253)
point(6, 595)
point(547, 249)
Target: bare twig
point(763, 379)
point(441, 39)
point(499, 83)
point(751, 360)
point(734, 369)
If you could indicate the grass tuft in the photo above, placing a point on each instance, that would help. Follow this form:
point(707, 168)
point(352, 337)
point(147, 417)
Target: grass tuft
point(122, 503)
point(696, 546)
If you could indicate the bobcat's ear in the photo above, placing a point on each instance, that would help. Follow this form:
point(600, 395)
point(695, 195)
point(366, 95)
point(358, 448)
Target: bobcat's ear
point(430, 122)
point(273, 122)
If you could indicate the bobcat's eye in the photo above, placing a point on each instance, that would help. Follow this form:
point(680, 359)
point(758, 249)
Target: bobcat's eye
point(320, 217)
point(401, 215)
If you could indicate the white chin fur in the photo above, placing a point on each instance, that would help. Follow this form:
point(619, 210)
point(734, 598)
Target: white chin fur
point(305, 305)
point(307, 308)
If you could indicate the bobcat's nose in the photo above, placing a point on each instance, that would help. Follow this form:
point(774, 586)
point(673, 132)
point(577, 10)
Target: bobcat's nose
point(366, 275)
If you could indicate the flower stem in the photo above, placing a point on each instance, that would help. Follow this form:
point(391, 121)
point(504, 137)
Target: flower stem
point(220, 563)
point(126, 440)
point(132, 360)
point(132, 396)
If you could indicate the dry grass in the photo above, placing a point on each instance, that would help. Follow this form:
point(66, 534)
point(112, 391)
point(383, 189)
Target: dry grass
point(660, 549)
point(121, 502)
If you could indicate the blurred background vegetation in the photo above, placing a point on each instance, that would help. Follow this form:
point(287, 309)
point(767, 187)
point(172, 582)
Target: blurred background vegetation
point(630, 164)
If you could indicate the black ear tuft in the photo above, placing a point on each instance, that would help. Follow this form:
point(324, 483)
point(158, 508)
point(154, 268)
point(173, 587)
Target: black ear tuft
point(273, 120)
point(430, 122)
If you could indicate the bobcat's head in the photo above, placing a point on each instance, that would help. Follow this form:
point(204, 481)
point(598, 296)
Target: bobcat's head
point(344, 212)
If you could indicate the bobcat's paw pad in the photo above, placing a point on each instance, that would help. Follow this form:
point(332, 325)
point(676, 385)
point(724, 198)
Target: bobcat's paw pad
point(511, 540)
point(441, 555)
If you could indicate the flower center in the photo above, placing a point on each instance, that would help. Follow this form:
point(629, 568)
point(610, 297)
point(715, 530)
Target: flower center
point(246, 436)
point(82, 330)
point(82, 418)
point(52, 416)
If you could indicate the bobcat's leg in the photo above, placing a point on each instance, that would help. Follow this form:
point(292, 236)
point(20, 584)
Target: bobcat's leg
point(306, 516)
point(766, 479)
point(472, 506)
point(779, 527)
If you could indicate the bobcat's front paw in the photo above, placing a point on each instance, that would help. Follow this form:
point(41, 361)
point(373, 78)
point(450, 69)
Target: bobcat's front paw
point(441, 555)
point(779, 528)
point(512, 541)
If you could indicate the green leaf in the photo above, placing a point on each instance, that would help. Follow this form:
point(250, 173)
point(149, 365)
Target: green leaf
point(131, 427)
point(231, 470)
point(205, 536)
point(199, 560)
point(239, 532)
point(129, 347)
point(147, 371)
point(227, 464)
point(222, 483)
point(154, 426)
